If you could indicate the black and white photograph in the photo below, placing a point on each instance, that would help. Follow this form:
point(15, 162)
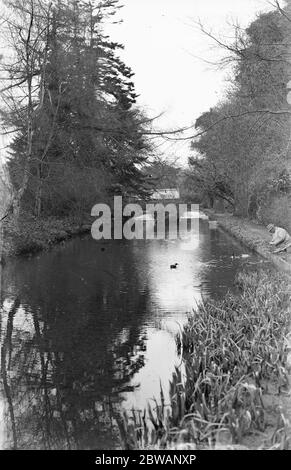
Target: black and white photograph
point(145, 232)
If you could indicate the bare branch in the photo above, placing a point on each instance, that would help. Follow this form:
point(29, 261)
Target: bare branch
point(232, 116)
point(280, 9)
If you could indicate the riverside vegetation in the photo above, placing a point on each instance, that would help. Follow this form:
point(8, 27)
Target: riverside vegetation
point(77, 136)
point(74, 134)
point(30, 234)
point(235, 359)
point(242, 144)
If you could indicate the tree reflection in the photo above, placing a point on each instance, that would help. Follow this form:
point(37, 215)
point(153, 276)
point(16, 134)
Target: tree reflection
point(6, 354)
point(64, 371)
point(65, 397)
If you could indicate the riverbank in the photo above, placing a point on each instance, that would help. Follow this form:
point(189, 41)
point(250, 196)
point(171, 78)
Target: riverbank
point(253, 235)
point(233, 391)
point(32, 235)
point(257, 238)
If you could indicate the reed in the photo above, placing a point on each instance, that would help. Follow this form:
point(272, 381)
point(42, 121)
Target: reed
point(234, 352)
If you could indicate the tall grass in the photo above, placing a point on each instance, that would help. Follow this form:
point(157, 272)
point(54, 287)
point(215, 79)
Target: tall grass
point(234, 352)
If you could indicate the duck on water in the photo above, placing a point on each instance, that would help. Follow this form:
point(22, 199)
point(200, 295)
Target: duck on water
point(174, 266)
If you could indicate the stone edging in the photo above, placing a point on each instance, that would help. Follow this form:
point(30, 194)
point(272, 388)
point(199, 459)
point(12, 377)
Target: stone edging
point(251, 235)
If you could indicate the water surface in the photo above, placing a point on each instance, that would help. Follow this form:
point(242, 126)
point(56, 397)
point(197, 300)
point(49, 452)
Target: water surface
point(89, 328)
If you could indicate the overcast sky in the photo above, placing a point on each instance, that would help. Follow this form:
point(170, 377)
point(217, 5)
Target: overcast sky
point(165, 49)
point(163, 44)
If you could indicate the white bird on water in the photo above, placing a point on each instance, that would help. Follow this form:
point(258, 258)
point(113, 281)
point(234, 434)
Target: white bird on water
point(243, 256)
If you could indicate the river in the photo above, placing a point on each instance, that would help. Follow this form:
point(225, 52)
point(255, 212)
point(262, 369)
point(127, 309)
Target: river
point(90, 326)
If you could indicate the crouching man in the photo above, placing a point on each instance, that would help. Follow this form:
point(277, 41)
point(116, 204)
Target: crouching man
point(281, 238)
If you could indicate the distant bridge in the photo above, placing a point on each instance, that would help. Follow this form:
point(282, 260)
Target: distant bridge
point(166, 194)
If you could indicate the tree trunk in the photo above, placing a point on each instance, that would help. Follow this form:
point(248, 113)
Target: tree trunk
point(19, 194)
point(38, 193)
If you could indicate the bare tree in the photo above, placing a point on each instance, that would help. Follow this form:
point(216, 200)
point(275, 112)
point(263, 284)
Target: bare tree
point(26, 34)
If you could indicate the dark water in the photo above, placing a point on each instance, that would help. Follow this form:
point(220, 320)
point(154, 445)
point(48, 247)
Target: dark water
point(89, 328)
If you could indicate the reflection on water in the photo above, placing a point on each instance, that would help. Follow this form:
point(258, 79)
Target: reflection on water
point(88, 329)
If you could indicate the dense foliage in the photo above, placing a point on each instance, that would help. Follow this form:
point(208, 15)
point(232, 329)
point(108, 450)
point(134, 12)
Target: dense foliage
point(244, 143)
point(70, 99)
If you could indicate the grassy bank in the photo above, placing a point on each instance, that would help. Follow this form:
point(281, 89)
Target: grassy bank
point(231, 394)
point(31, 234)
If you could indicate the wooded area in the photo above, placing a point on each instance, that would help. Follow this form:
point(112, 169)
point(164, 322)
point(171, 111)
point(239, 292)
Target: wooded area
point(171, 343)
point(245, 139)
point(77, 136)
point(69, 97)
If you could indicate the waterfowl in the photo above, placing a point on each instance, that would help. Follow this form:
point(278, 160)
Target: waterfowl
point(243, 256)
point(174, 266)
